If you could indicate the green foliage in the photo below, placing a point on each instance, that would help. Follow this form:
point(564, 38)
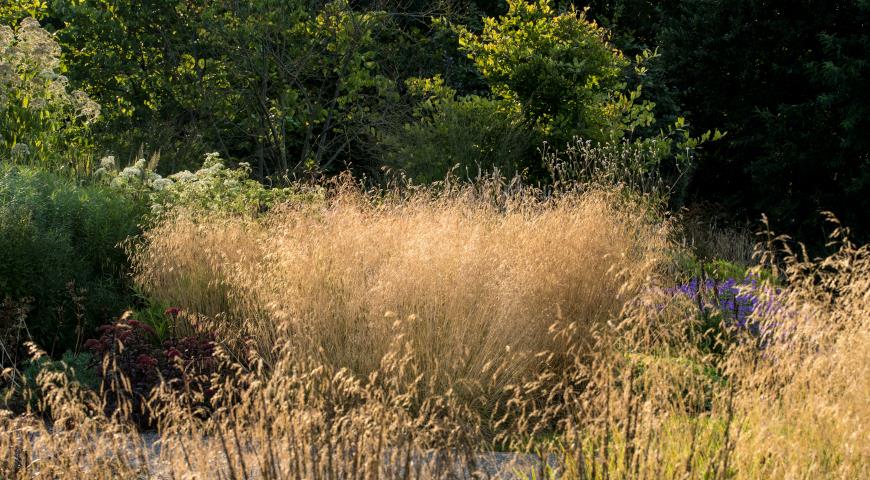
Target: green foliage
point(311, 93)
point(558, 69)
point(42, 122)
point(154, 314)
point(145, 63)
point(14, 12)
point(303, 89)
point(656, 167)
point(77, 367)
point(59, 247)
point(471, 134)
point(716, 269)
point(721, 270)
point(300, 88)
point(290, 87)
point(71, 369)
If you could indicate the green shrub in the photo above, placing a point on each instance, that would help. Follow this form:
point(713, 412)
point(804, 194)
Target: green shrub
point(59, 247)
point(471, 133)
point(558, 68)
point(78, 367)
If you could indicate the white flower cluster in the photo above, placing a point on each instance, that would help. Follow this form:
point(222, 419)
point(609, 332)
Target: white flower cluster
point(139, 175)
point(29, 58)
point(183, 176)
point(135, 176)
point(7, 70)
point(214, 187)
point(36, 46)
point(212, 168)
point(161, 184)
point(108, 162)
point(212, 159)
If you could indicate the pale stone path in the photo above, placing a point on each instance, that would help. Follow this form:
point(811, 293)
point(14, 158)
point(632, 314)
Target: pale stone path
point(494, 465)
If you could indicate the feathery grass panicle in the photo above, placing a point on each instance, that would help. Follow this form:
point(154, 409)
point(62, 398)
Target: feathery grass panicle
point(478, 278)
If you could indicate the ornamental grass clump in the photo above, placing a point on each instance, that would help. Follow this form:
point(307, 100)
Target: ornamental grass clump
point(481, 282)
point(803, 399)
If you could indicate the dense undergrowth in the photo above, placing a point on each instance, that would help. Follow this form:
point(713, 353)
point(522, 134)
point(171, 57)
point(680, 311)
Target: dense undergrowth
point(59, 259)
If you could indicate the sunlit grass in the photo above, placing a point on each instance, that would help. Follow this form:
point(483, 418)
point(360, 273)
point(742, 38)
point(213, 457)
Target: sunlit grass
point(366, 337)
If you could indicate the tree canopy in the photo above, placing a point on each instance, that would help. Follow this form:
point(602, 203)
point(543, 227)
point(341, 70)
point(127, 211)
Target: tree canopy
point(306, 89)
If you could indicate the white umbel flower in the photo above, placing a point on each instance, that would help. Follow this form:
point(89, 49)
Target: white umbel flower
point(161, 183)
point(108, 162)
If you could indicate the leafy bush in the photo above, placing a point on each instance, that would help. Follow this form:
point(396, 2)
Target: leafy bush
point(59, 248)
point(199, 84)
point(558, 68)
point(41, 121)
point(474, 133)
point(79, 367)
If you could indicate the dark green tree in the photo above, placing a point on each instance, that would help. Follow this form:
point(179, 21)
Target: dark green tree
point(146, 63)
point(784, 78)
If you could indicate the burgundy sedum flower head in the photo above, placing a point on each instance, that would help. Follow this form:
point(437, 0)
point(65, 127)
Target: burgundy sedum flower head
point(145, 361)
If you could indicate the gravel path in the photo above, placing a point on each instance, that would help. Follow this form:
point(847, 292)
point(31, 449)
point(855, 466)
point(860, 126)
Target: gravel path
point(495, 465)
point(431, 464)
